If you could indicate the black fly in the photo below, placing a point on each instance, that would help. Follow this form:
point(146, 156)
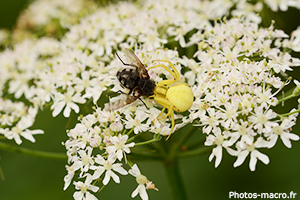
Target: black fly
point(135, 78)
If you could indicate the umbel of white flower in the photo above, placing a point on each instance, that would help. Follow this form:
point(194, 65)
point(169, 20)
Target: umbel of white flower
point(235, 70)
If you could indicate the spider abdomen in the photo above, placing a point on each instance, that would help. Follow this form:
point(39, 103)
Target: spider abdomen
point(180, 96)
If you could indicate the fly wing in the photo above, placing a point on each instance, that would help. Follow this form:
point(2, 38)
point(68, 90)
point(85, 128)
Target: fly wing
point(131, 99)
point(134, 60)
point(122, 100)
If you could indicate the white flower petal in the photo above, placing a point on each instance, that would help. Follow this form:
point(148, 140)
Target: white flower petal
point(107, 177)
point(143, 193)
point(115, 177)
point(272, 140)
point(78, 195)
point(262, 157)
point(118, 168)
point(218, 152)
point(98, 172)
point(253, 161)
point(241, 158)
point(74, 106)
point(28, 136)
point(134, 171)
point(93, 188)
point(135, 192)
point(89, 196)
point(57, 109)
point(67, 111)
point(17, 139)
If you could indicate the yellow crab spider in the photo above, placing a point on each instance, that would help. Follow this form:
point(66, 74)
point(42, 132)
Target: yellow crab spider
point(171, 95)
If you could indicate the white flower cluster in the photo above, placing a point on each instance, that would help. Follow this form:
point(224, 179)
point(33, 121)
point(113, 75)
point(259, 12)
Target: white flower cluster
point(235, 74)
point(294, 42)
point(21, 68)
point(282, 5)
point(102, 131)
point(50, 17)
point(15, 119)
point(69, 72)
point(235, 86)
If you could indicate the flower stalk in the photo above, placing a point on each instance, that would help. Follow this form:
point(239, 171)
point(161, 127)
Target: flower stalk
point(34, 153)
point(175, 180)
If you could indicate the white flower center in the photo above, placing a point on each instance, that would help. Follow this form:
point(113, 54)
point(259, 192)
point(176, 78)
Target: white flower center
point(202, 106)
point(229, 113)
point(83, 188)
point(16, 130)
point(86, 83)
point(68, 98)
point(136, 122)
point(71, 169)
point(242, 130)
point(264, 98)
point(262, 119)
point(119, 145)
point(246, 104)
point(250, 147)
point(229, 55)
point(107, 165)
point(278, 130)
point(219, 140)
point(85, 160)
point(141, 179)
point(211, 120)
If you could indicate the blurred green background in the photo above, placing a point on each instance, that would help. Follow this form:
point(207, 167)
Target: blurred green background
point(30, 178)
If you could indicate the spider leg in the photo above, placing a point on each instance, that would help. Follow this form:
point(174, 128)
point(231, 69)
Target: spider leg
point(165, 67)
point(175, 74)
point(166, 83)
point(162, 112)
point(173, 122)
point(166, 104)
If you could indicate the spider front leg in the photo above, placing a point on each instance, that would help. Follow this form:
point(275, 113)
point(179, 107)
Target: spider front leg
point(166, 104)
point(174, 73)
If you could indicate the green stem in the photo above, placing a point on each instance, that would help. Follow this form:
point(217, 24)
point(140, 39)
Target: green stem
point(131, 130)
point(156, 138)
point(128, 133)
point(175, 180)
point(68, 125)
point(286, 98)
point(291, 113)
point(101, 188)
point(289, 94)
point(185, 137)
point(135, 154)
point(35, 153)
point(195, 152)
point(1, 174)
